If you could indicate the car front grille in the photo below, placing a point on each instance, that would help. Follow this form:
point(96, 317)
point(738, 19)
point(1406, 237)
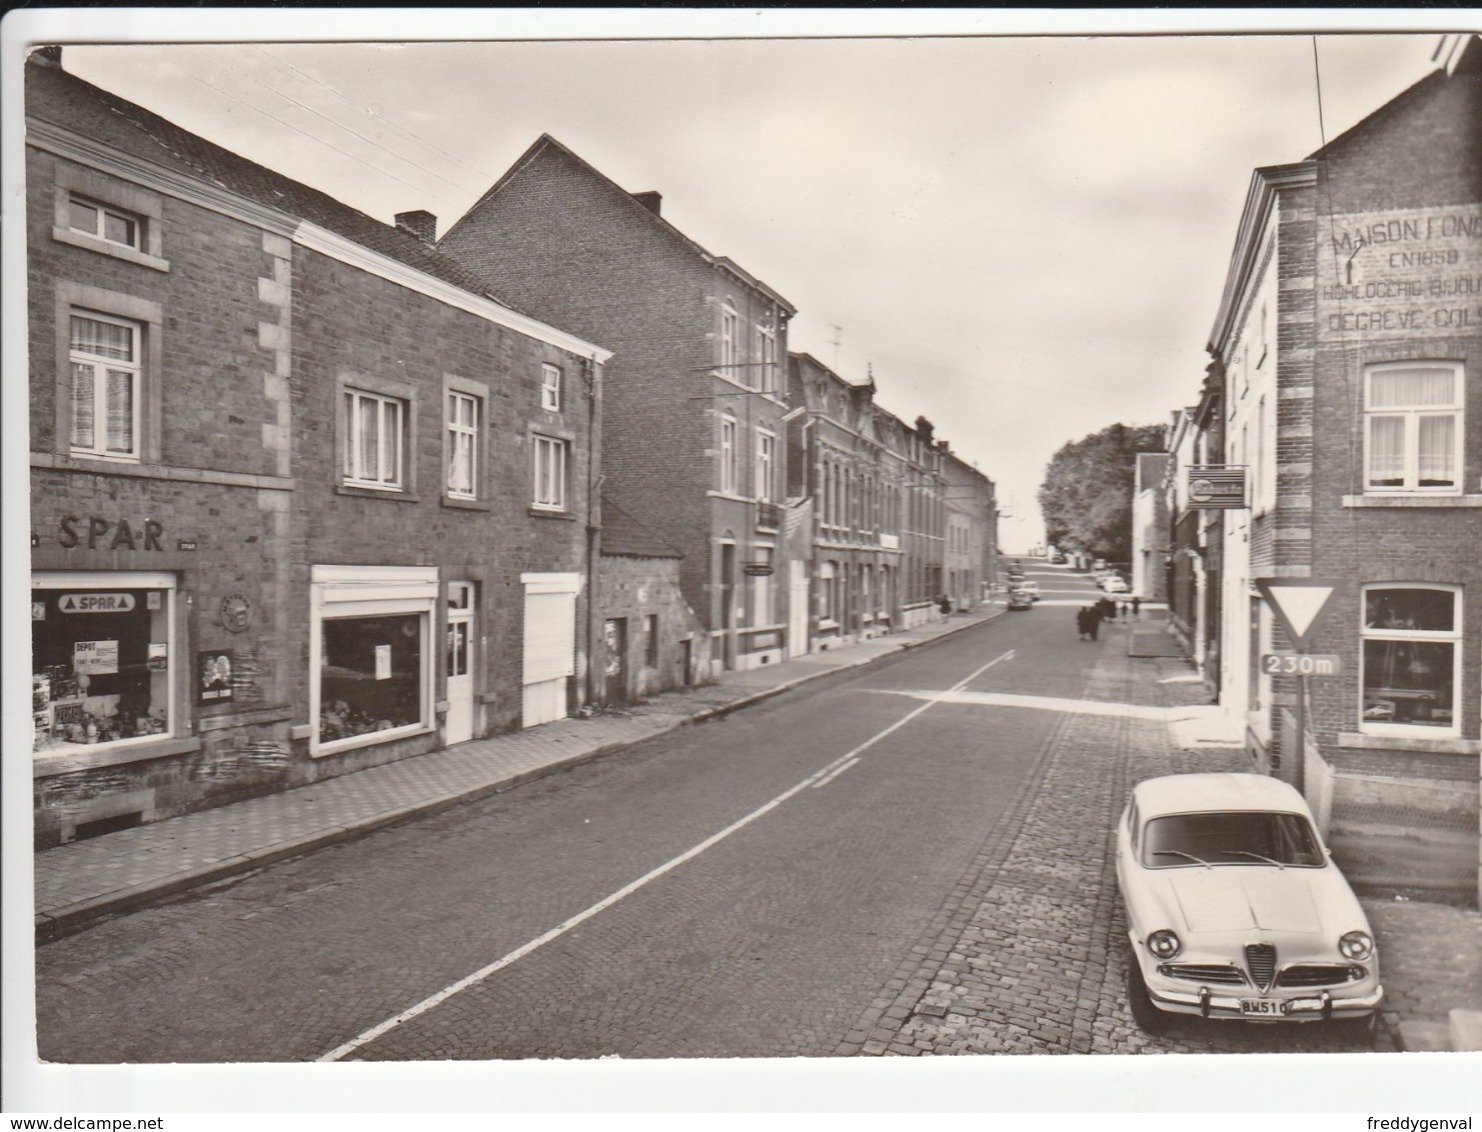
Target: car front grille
point(1203, 973)
point(1319, 975)
point(1260, 961)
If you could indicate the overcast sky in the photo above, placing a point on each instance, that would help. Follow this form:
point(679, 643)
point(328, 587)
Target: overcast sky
point(1024, 238)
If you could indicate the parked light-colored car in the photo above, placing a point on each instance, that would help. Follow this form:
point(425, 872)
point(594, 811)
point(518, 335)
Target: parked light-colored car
point(1114, 585)
point(1235, 909)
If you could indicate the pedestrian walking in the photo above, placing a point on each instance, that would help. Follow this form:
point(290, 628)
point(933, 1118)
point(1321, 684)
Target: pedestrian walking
point(1094, 614)
point(1136, 606)
point(1083, 621)
point(1106, 608)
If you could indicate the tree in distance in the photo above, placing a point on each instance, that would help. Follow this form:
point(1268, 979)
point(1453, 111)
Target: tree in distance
point(1086, 496)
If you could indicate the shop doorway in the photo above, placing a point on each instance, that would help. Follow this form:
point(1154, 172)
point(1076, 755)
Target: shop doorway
point(458, 725)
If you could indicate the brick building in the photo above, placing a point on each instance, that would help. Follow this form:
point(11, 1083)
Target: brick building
point(305, 496)
point(1348, 340)
point(694, 397)
point(885, 501)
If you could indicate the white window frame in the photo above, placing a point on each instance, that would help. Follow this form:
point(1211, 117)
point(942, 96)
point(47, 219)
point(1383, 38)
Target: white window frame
point(766, 464)
point(100, 229)
point(337, 592)
point(550, 387)
point(729, 466)
point(134, 367)
point(730, 331)
point(767, 370)
point(352, 464)
point(463, 442)
point(175, 724)
point(548, 455)
point(1453, 637)
point(1412, 417)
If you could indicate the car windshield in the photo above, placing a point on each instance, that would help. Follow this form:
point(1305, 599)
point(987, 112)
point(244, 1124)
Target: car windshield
point(1238, 838)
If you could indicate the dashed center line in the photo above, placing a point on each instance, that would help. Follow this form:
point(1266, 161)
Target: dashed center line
point(818, 778)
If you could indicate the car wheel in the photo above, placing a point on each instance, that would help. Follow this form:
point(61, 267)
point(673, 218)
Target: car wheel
point(1149, 1019)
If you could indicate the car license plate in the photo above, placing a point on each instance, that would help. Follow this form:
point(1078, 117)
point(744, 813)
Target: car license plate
point(1263, 1007)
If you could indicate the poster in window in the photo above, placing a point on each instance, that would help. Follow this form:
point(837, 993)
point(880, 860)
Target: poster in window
point(215, 683)
point(383, 662)
point(158, 658)
point(94, 658)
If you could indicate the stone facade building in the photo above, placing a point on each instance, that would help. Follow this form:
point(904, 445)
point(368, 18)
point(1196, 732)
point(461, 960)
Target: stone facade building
point(305, 496)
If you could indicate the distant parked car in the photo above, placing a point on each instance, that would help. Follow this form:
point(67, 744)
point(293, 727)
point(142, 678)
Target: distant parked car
point(1018, 599)
point(1114, 585)
point(1235, 908)
point(1030, 588)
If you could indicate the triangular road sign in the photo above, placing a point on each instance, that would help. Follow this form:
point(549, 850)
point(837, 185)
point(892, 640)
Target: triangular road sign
point(1298, 604)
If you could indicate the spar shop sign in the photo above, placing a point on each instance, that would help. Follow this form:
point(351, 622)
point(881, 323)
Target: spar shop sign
point(95, 603)
point(96, 532)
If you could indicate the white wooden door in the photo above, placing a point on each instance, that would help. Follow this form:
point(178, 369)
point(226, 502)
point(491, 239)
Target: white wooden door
point(458, 725)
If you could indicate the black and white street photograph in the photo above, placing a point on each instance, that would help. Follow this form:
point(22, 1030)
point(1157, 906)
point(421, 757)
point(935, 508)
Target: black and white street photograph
point(701, 560)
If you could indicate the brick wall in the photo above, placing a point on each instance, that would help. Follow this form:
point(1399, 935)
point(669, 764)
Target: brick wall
point(636, 588)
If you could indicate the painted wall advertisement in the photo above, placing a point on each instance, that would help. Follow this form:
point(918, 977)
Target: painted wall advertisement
point(1406, 272)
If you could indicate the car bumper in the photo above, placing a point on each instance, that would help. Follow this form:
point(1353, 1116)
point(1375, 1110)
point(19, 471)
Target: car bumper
point(1306, 1006)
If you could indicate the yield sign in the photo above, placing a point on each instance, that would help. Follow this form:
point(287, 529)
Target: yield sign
point(1298, 604)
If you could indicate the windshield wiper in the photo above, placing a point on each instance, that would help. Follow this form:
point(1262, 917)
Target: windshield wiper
point(1179, 853)
point(1257, 856)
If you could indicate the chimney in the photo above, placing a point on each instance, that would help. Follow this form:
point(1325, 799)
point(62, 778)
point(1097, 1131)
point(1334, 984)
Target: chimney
point(421, 224)
point(924, 427)
point(650, 200)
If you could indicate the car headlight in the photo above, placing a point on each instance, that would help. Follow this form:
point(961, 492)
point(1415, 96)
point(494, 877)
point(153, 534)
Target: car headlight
point(1165, 945)
point(1356, 945)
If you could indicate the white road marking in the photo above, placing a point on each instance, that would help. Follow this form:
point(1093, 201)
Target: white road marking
point(1044, 703)
point(815, 779)
point(833, 774)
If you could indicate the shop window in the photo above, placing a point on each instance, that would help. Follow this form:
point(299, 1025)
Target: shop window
point(549, 473)
point(550, 388)
point(371, 639)
point(105, 357)
point(1411, 659)
point(1413, 428)
point(102, 659)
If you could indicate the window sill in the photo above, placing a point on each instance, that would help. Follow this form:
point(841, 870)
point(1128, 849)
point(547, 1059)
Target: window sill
point(370, 739)
point(465, 504)
point(1355, 741)
point(550, 513)
point(108, 248)
point(1409, 499)
point(66, 762)
point(392, 494)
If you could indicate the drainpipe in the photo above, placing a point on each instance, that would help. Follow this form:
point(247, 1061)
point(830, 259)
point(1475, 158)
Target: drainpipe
point(592, 375)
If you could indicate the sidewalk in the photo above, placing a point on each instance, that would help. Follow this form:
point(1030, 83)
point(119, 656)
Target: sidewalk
point(117, 872)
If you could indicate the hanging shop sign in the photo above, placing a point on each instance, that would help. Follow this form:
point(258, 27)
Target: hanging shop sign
point(1216, 486)
point(236, 612)
point(757, 569)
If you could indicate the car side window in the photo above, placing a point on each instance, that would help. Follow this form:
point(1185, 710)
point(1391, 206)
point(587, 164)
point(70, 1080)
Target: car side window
point(1132, 825)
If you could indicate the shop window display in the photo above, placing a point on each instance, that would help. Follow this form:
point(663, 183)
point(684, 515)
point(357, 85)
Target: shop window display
point(371, 675)
point(100, 665)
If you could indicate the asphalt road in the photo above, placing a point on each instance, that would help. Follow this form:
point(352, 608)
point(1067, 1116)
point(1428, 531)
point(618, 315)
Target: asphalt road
point(749, 887)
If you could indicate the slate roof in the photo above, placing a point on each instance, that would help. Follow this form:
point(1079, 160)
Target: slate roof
point(64, 100)
point(625, 537)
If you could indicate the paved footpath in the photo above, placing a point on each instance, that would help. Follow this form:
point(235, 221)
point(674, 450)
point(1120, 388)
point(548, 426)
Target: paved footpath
point(1027, 955)
point(80, 882)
